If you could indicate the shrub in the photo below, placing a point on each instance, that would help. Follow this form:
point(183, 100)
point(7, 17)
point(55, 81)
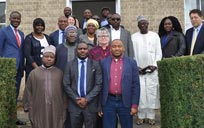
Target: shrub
point(7, 93)
point(182, 92)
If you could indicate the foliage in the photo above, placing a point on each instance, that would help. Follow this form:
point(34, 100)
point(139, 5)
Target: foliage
point(182, 92)
point(7, 93)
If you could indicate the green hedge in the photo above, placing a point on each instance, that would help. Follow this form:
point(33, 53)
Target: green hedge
point(7, 93)
point(182, 92)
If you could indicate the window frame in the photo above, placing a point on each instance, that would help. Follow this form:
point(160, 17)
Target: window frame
point(3, 24)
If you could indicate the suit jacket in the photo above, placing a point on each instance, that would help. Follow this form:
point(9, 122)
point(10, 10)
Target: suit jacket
point(93, 85)
point(130, 81)
point(9, 46)
point(175, 45)
point(127, 41)
point(54, 37)
point(199, 44)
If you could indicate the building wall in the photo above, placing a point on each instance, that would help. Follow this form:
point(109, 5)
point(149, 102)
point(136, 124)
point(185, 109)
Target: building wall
point(50, 10)
point(154, 10)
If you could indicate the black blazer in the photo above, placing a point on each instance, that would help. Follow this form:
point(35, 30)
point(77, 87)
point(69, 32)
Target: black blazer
point(199, 44)
point(175, 45)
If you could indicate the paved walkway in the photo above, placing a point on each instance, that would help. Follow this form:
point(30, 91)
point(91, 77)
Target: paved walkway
point(24, 117)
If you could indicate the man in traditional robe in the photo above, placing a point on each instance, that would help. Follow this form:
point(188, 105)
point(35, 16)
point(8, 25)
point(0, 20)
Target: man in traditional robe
point(43, 96)
point(147, 49)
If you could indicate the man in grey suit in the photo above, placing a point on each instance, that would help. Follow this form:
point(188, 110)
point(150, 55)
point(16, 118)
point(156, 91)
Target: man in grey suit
point(82, 83)
point(118, 32)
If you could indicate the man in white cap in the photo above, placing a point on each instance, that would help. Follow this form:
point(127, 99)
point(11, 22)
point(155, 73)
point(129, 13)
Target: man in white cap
point(147, 51)
point(43, 96)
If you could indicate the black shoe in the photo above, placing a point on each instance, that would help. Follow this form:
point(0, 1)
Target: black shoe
point(19, 122)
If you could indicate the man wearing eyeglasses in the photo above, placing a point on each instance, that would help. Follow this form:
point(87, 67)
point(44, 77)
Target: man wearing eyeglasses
point(118, 32)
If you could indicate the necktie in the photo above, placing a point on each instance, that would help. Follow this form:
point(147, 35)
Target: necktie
point(17, 37)
point(82, 79)
point(63, 37)
point(193, 41)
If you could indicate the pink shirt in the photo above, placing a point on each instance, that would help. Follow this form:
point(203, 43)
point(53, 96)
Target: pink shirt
point(116, 76)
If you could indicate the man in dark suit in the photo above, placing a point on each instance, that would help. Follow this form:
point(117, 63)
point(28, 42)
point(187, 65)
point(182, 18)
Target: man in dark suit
point(121, 88)
point(11, 46)
point(194, 36)
point(82, 83)
point(118, 32)
point(87, 15)
point(58, 36)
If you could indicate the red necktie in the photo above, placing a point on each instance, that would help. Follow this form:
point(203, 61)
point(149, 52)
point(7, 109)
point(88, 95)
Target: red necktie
point(17, 37)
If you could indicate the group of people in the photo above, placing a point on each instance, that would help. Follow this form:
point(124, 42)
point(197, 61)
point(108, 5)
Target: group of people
point(94, 73)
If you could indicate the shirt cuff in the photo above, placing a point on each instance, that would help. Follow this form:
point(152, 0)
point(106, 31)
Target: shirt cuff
point(134, 106)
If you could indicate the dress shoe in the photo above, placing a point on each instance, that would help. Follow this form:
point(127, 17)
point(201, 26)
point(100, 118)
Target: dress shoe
point(19, 122)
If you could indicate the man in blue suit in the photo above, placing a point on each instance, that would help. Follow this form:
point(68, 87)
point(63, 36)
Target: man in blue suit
point(11, 43)
point(58, 36)
point(194, 36)
point(121, 88)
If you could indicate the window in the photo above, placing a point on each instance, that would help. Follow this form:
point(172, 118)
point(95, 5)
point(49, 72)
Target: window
point(2, 13)
point(189, 5)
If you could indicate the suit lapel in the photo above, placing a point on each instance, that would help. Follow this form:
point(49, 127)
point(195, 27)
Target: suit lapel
point(57, 36)
point(13, 37)
point(200, 34)
point(22, 38)
point(110, 35)
point(169, 38)
point(124, 66)
point(88, 72)
point(121, 33)
point(108, 64)
point(75, 69)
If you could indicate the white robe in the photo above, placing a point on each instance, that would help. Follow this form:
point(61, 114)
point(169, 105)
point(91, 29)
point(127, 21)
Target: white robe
point(147, 49)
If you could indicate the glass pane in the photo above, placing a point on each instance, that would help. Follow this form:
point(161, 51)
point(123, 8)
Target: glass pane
point(2, 12)
point(202, 6)
point(2, 25)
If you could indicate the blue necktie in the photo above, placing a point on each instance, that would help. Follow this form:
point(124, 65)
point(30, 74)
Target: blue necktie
point(82, 79)
point(63, 37)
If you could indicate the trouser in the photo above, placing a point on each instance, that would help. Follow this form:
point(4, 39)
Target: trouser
point(83, 117)
point(18, 83)
point(146, 113)
point(113, 109)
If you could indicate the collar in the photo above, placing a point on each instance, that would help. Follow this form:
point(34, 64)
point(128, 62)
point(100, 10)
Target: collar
point(115, 29)
point(12, 27)
point(46, 67)
point(79, 60)
point(199, 27)
point(60, 31)
point(117, 59)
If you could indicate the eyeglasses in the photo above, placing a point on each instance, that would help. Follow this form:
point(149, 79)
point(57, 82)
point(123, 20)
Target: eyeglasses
point(103, 36)
point(115, 19)
point(96, 18)
point(71, 34)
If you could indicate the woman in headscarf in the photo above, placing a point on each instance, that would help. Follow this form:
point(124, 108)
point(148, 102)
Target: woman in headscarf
point(90, 36)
